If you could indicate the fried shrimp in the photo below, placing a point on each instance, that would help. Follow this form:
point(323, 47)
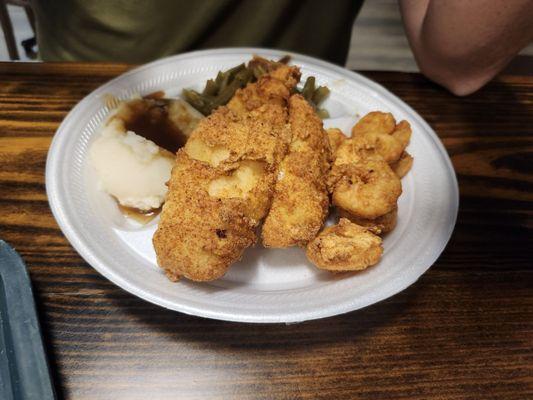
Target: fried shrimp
point(403, 165)
point(380, 225)
point(362, 183)
point(345, 247)
point(378, 130)
point(300, 202)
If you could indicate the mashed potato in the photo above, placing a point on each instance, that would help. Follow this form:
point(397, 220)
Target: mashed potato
point(131, 168)
point(134, 153)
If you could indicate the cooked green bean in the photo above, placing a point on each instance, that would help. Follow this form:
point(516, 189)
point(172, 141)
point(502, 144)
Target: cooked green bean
point(322, 113)
point(309, 88)
point(211, 88)
point(320, 95)
point(258, 71)
point(240, 81)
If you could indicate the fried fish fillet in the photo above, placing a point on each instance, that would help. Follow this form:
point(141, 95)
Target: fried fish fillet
point(300, 202)
point(221, 186)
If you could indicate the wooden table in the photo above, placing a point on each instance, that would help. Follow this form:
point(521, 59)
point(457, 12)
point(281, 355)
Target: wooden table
point(463, 331)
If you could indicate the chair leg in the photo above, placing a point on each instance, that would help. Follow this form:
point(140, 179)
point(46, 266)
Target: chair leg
point(8, 31)
point(31, 18)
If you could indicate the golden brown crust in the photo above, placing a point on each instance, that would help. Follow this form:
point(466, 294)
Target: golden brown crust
point(403, 165)
point(273, 88)
point(379, 131)
point(198, 235)
point(380, 225)
point(345, 247)
point(335, 138)
point(362, 183)
point(222, 184)
point(300, 202)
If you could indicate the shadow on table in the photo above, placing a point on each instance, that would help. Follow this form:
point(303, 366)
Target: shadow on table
point(222, 335)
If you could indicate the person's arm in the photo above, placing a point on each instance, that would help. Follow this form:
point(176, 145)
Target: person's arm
point(462, 44)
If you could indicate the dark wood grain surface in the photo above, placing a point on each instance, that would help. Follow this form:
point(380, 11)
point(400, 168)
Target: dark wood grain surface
point(463, 331)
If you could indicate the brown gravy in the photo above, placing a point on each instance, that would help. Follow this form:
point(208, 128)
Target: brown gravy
point(148, 117)
point(142, 217)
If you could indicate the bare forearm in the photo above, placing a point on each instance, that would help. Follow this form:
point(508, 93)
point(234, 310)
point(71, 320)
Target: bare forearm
point(462, 44)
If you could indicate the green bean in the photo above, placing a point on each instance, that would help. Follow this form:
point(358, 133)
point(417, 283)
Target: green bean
point(322, 113)
point(219, 78)
point(241, 79)
point(258, 71)
point(220, 90)
point(232, 72)
point(309, 88)
point(211, 88)
point(320, 95)
point(202, 103)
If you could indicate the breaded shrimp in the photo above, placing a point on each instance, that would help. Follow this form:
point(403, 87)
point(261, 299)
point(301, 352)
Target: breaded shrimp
point(378, 130)
point(345, 247)
point(300, 202)
point(362, 183)
point(403, 165)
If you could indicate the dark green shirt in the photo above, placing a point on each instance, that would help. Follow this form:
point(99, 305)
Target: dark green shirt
point(137, 31)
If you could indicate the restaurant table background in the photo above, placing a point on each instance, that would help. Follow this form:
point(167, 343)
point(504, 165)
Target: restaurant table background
point(464, 330)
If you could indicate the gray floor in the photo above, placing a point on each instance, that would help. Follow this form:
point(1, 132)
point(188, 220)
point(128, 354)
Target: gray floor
point(378, 40)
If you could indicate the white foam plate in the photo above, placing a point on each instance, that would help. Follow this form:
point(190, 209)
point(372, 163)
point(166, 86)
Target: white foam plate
point(266, 285)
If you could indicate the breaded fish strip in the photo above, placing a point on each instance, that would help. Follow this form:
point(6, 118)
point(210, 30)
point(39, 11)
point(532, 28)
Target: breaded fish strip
point(300, 202)
point(345, 247)
point(199, 235)
point(220, 188)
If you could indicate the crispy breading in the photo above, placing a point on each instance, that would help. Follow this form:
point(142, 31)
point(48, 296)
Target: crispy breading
point(221, 187)
point(379, 131)
point(380, 225)
point(300, 202)
point(345, 247)
point(335, 137)
point(198, 235)
point(403, 165)
point(361, 182)
point(273, 88)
